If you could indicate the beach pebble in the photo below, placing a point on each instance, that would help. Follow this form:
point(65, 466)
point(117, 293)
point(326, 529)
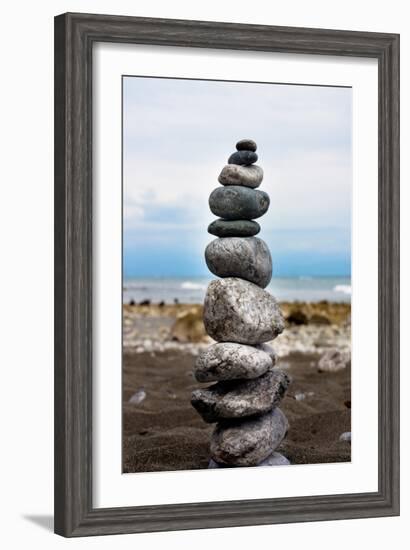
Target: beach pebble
point(246, 145)
point(275, 459)
point(333, 360)
point(229, 361)
point(346, 436)
point(243, 157)
point(235, 202)
point(238, 399)
point(138, 397)
point(248, 442)
point(234, 228)
point(248, 176)
point(247, 258)
point(239, 311)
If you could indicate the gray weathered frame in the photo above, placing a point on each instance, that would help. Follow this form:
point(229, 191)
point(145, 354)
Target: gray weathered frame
point(75, 35)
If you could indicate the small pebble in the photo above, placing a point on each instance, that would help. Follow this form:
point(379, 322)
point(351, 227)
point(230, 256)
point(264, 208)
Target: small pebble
point(138, 397)
point(243, 158)
point(346, 436)
point(246, 145)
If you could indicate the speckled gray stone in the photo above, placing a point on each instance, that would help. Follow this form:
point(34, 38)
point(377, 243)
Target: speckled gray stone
point(234, 228)
point(247, 258)
point(243, 157)
point(230, 361)
point(239, 311)
point(246, 145)
point(238, 399)
point(234, 202)
point(248, 176)
point(269, 350)
point(249, 441)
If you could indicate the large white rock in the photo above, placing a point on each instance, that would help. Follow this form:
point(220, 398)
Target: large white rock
point(230, 361)
point(239, 311)
point(244, 257)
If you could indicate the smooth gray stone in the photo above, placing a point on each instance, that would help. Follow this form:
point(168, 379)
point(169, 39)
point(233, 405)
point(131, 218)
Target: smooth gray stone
point(234, 228)
point(243, 157)
point(235, 202)
point(239, 311)
point(244, 257)
point(275, 459)
point(248, 176)
point(230, 361)
point(238, 399)
point(248, 442)
point(246, 145)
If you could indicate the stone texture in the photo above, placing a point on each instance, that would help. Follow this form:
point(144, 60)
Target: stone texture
point(234, 228)
point(243, 157)
point(250, 441)
point(230, 361)
point(275, 459)
point(269, 350)
point(247, 258)
point(235, 202)
point(248, 176)
point(246, 145)
point(239, 311)
point(238, 399)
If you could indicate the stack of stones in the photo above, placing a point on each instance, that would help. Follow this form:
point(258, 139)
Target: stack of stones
point(241, 317)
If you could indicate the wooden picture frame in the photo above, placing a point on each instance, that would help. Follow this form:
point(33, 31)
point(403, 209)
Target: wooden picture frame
point(75, 35)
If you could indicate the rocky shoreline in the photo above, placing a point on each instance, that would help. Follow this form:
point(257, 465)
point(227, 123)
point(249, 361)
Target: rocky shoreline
point(311, 327)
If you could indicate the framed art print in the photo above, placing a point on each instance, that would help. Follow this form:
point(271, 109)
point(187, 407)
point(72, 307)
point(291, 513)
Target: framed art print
point(226, 274)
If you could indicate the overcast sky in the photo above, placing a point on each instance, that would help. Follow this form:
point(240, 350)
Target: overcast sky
point(178, 135)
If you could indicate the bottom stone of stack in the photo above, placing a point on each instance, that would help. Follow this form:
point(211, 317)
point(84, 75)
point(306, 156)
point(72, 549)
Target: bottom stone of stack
point(249, 441)
point(275, 459)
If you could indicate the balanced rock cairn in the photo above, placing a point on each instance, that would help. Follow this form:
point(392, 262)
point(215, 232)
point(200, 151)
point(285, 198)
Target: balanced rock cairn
point(241, 316)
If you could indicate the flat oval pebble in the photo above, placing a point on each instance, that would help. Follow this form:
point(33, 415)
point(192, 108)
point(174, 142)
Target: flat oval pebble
point(229, 361)
point(246, 145)
point(235, 202)
point(249, 441)
point(238, 399)
point(248, 176)
point(243, 157)
point(239, 311)
point(244, 257)
point(234, 228)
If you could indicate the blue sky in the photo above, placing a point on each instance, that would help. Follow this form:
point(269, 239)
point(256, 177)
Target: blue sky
point(177, 137)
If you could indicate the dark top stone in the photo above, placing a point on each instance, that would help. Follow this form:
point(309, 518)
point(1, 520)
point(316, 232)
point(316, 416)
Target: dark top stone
point(234, 228)
point(246, 145)
point(235, 202)
point(243, 157)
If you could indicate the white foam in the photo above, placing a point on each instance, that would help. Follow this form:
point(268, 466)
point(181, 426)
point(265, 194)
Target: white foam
point(346, 289)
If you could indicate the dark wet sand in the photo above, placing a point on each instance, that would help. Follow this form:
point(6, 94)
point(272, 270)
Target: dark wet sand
point(164, 432)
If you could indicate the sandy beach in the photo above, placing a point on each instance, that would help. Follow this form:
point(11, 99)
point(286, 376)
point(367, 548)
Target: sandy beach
point(161, 430)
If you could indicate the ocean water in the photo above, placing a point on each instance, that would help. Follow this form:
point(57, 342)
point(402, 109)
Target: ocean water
point(191, 290)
